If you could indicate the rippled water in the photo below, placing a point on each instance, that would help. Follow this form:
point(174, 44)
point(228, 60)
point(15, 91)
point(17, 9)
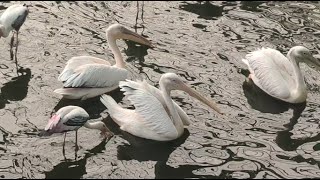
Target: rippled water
point(203, 42)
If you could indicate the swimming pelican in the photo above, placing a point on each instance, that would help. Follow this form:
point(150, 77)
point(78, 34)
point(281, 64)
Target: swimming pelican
point(71, 118)
point(156, 115)
point(12, 19)
point(86, 77)
point(280, 76)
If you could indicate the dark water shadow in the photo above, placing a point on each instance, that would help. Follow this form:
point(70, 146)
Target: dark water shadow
point(135, 51)
point(265, 103)
point(261, 101)
point(74, 169)
point(141, 149)
point(205, 10)
point(251, 5)
point(283, 138)
point(163, 171)
point(16, 89)
point(93, 106)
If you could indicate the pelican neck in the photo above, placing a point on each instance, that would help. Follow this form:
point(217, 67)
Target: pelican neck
point(173, 112)
point(116, 52)
point(94, 125)
point(300, 84)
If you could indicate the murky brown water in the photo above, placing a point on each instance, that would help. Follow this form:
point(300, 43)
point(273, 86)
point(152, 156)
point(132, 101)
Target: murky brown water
point(201, 41)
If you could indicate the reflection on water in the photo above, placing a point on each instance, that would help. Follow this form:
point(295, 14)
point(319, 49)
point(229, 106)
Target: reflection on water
point(284, 137)
point(204, 9)
point(93, 106)
point(261, 101)
point(16, 89)
point(74, 169)
point(251, 5)
point(203, 42)
point(147, 150)
point(163, 171)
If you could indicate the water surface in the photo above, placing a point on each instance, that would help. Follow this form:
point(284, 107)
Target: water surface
point(203, 42)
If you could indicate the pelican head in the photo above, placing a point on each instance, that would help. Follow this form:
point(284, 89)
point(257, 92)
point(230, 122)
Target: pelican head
point(118, 31)
point(68, 110)
point(304, 55)
point(172, 81)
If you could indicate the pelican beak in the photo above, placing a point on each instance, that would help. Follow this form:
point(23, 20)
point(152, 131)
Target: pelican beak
point(197, 95)
point(130, 35)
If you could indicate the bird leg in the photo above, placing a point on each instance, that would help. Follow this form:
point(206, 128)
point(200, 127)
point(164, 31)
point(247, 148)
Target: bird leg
point(17, 44)
point(15, 54)
point(12, 39)
point(142, 12)
point(135, 26)
point(77, 147)
point(11, 46)
point(64, 142)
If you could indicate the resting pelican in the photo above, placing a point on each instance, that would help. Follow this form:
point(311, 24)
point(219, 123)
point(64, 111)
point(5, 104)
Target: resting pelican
point(156, 115)
point(280, 76)
point(86, 77)
point(71, 118)
point(12, 19)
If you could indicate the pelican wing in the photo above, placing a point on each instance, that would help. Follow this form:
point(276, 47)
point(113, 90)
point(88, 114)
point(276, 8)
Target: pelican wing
point(76, 121)
point(76, 62)
point(272, 71)
point(14, 16)
point(95, 75)
point(20, 19)
point(149, 108)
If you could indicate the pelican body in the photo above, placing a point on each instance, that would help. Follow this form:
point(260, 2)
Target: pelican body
point(71, 118)
point(86, 77)
point(280, 76)
point(12, 19)
point(156, 116)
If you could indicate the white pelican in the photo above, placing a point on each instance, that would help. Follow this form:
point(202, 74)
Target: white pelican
point(86, 77)
point(71, 118)
point(156, 115)
point(12, 19)
point(280, 76)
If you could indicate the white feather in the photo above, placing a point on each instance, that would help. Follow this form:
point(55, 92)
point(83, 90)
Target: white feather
point(10, 15)
point(271, 71)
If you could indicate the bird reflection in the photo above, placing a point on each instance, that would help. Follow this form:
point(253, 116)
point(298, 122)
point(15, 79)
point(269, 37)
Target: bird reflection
point(142, 149)
point(137, 16)
point(261, 101)
point(74, 169)
point(16, 89)
point(93, 106)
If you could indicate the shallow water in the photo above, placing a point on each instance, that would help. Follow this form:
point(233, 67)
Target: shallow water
point(203, 42)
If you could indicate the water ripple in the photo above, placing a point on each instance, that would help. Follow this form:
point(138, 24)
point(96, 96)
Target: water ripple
point(203, 42)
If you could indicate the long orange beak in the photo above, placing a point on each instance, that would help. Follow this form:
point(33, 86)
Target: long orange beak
point(197, 95)
point(130, 35)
